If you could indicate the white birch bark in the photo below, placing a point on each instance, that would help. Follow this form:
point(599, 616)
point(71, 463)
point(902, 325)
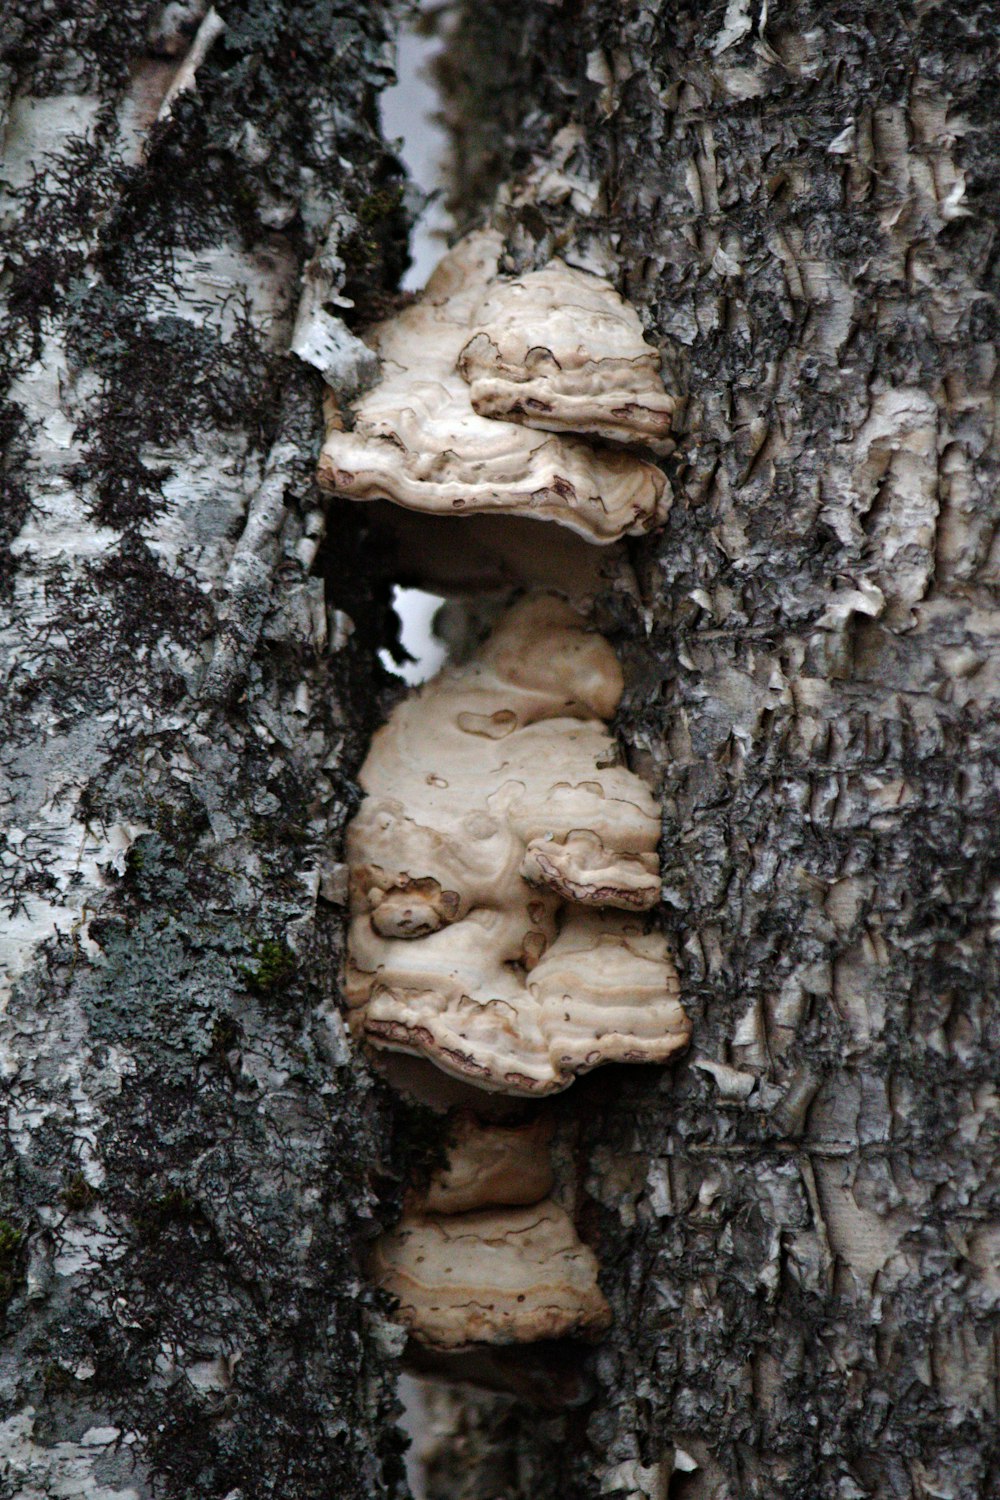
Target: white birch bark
point(798, 1227)
point(186, 1144)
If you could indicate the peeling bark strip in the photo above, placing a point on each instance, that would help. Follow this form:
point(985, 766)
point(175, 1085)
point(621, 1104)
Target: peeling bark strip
point(186, 1143)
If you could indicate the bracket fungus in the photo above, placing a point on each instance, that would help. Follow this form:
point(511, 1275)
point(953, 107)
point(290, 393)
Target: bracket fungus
point(503, 857)
point(418, 437)
point(485, 1256)
point(558, 349)
point(500, 863)
point(491, 1165)
point(497, 1276)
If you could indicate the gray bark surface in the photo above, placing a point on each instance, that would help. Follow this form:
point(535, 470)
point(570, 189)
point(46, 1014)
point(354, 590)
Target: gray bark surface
point(798, 1225)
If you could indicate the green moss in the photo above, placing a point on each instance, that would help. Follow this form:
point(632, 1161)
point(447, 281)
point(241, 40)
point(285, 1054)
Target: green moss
point(380, 204)
point(421, 1141)
point(158, 1214)
point(274, 968)
point(279, 833)
point(56, 1378)
point(225, 1035)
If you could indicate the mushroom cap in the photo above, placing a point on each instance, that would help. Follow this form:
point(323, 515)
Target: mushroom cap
point(558, 349)
point(603, 991)
point(500, 1276)
point(417, 440)
point(498, 863)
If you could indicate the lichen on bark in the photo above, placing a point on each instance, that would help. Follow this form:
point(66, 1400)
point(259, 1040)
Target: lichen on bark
point(798, 1228)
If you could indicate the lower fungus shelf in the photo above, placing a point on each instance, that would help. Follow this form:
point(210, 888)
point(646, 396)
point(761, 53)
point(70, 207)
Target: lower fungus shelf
point(490, 1166)
point(484, 1257)
point(496, 1276)
point(501, 866)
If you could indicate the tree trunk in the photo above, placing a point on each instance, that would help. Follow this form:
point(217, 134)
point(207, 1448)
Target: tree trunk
point(189, 1145)
point(797, 1225)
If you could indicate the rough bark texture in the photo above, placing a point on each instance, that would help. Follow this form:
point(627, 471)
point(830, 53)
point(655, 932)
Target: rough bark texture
point(801, 1245)
point(189, 1148)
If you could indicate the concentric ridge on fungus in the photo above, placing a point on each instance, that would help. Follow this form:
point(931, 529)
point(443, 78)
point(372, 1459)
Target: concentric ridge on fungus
point(484, 1256)
point(498, 829)
point(418, 437)
point(498, 1276)
point(558, 349)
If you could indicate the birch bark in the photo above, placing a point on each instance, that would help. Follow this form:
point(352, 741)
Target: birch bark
point(798, 1227)
point(187, 1145)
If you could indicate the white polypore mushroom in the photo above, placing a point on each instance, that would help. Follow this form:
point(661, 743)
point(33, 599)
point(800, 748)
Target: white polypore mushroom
point(500, 1276)
point(417, 440)
point(497, 830)
point(499, 826)
point(559, 349)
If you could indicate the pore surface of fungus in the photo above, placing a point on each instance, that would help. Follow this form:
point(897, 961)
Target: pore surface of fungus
point(500, 863)
point(500, 1276)
point(558, 349)
point(417, 439)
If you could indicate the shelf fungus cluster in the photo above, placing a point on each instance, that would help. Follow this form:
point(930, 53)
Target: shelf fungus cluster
point(520, 396)
point(502, 863)
point(504, 859)
point(488, 1258)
